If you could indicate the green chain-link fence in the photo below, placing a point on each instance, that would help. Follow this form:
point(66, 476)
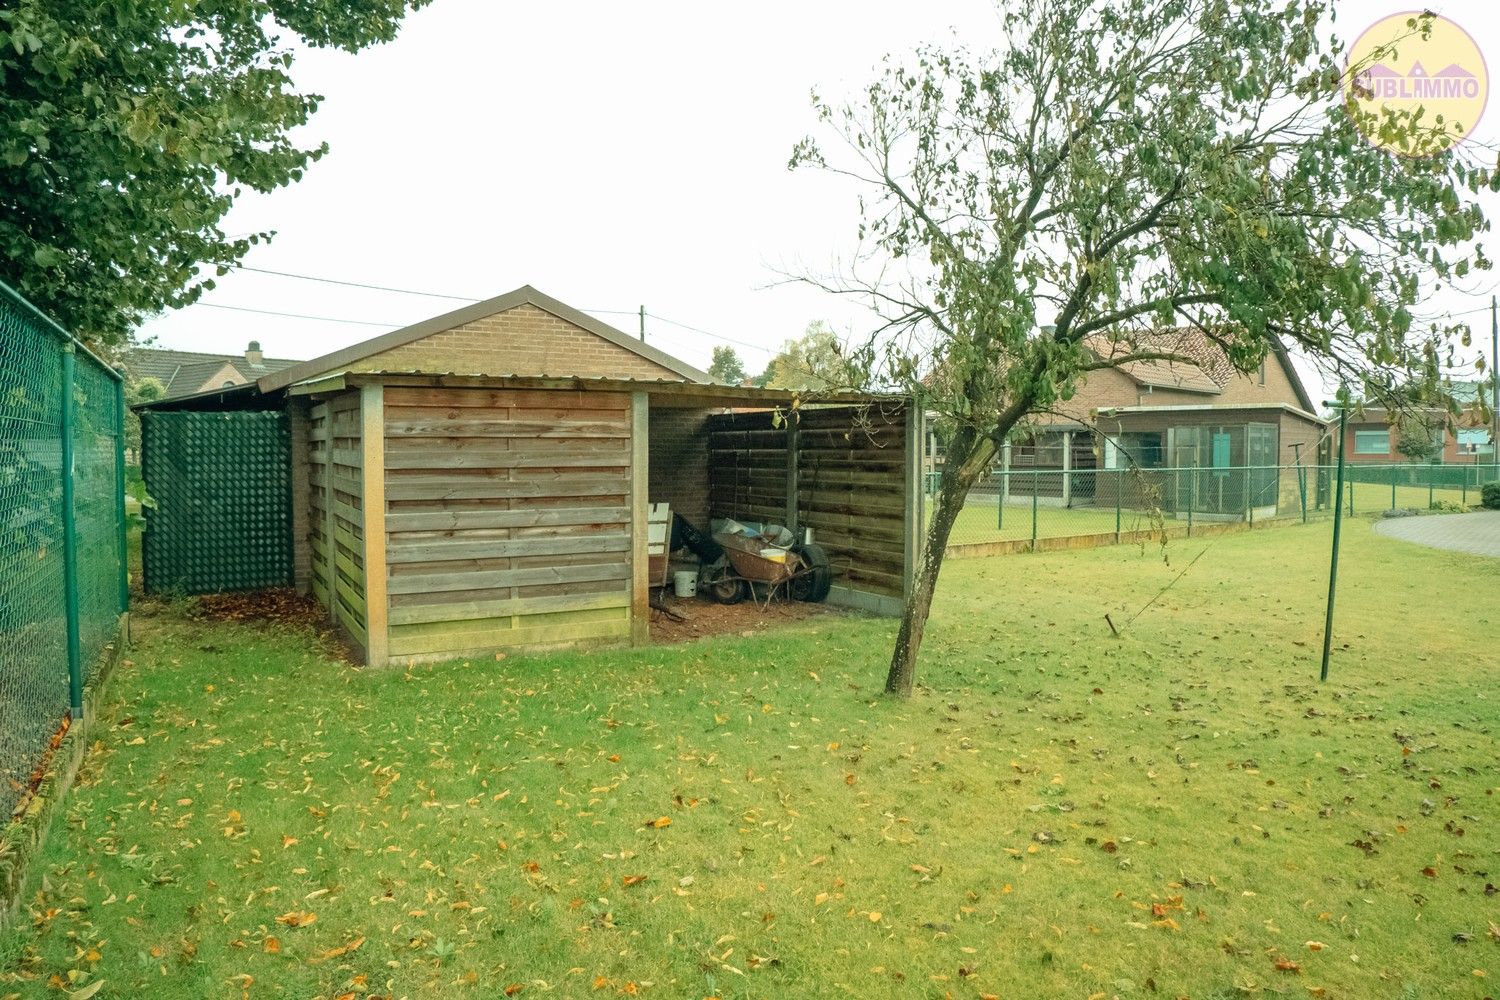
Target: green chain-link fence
point(1025, 505)
point(62, 541)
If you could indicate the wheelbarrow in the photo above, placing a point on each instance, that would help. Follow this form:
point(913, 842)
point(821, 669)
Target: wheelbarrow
point(804, 570)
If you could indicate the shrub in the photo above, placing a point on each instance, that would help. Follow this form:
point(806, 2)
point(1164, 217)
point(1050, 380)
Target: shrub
point(1489, 495)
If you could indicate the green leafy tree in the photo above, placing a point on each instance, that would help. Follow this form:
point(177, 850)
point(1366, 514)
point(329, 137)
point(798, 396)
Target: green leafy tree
point(726, 367)
point(1037, 212)
point(813, 361)
point(127, 131)
point(141, 390)
point(1419, 439)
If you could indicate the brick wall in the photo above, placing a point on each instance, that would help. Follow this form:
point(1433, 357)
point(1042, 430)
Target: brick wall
point(1109, 387)
point(678, 462)
point(524, 340)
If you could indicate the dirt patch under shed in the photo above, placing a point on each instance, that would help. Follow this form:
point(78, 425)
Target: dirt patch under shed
point(703, 617)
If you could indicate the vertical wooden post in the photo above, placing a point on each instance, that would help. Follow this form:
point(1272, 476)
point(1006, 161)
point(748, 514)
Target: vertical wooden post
point(640, 581)
point(793, 447)
point(372, 442)
point(915, 497)
point(330, 560)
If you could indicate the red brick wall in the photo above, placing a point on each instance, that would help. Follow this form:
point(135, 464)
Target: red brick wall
point(677, 460)
point(524, 340)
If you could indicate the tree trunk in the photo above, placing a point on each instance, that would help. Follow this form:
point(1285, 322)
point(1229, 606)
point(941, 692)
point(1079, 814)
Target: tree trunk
point(959, 476)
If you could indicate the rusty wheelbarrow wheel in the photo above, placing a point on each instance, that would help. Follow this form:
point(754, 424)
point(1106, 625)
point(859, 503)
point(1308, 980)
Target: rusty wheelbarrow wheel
point(726, 588)
point(814, 584)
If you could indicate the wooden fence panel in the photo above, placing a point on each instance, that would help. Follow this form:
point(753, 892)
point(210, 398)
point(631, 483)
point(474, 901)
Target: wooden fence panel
point(507, 519)
point(850, 478)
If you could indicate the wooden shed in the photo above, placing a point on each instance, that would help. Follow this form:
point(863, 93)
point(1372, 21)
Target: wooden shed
point(480, 481)
point(458, 515)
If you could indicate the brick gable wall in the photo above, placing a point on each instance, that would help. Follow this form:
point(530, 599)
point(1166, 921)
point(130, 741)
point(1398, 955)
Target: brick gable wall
point(1109, 387)
point(525, 340)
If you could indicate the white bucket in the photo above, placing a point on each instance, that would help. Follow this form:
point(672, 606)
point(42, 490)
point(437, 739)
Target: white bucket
point(685, 583)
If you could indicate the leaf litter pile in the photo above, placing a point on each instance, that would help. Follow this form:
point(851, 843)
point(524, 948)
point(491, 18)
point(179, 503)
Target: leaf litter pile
point(1180, 812)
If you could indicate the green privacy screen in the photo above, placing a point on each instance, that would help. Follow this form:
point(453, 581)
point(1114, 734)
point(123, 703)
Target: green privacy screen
point(221, 488)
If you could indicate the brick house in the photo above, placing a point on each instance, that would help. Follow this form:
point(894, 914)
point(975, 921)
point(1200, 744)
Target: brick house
point(186, 373)
point(1195, 412)
point(1374, 437)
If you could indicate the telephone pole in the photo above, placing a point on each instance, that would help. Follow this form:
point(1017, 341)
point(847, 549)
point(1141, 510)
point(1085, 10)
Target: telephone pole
point(643, 324)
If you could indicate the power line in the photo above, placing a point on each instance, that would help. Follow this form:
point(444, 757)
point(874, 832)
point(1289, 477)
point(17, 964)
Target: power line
point(398, 291)
point(291, 315)
point(440, 295)
point(354, 284)
point(707, 333)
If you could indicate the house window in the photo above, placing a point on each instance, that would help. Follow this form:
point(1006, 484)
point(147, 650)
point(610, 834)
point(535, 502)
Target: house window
point(1372, 442)
point(1140, 448)
point(1472, 442)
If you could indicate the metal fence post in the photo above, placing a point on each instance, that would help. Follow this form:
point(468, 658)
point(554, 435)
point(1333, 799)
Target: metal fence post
point(1395, 472)
point(1035, 488)
point(1333, 564)
point(121, 527)
point(1192, 499)
point(70, 541)
point(1119, 491)
point(1429, 484)
point(1302, 490)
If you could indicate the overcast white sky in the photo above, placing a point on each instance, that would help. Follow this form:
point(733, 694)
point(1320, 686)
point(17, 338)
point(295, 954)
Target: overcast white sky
point(612, 155)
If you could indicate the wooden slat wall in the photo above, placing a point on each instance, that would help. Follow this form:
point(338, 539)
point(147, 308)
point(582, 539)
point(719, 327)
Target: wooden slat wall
point(747, 466)
point(851, 490)
point(851, 484)
point(508, 519)
point(345, 520)
point(317, 481)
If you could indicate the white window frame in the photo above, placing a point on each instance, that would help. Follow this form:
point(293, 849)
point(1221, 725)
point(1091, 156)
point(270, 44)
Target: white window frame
point(1383, 450)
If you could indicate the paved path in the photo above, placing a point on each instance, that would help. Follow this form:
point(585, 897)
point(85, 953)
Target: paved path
point(1477, 533)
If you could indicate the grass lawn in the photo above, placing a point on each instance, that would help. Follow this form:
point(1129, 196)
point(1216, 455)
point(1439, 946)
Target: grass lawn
point(1182, 811)
point(980, 522)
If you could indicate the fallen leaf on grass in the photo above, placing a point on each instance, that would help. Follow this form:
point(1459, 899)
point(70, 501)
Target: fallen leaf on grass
point(659, 822)
point(341, 951)
point(297, 918)
point(630, 880)
point(514, 988)
point(1287, 965)
point(272, 945)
